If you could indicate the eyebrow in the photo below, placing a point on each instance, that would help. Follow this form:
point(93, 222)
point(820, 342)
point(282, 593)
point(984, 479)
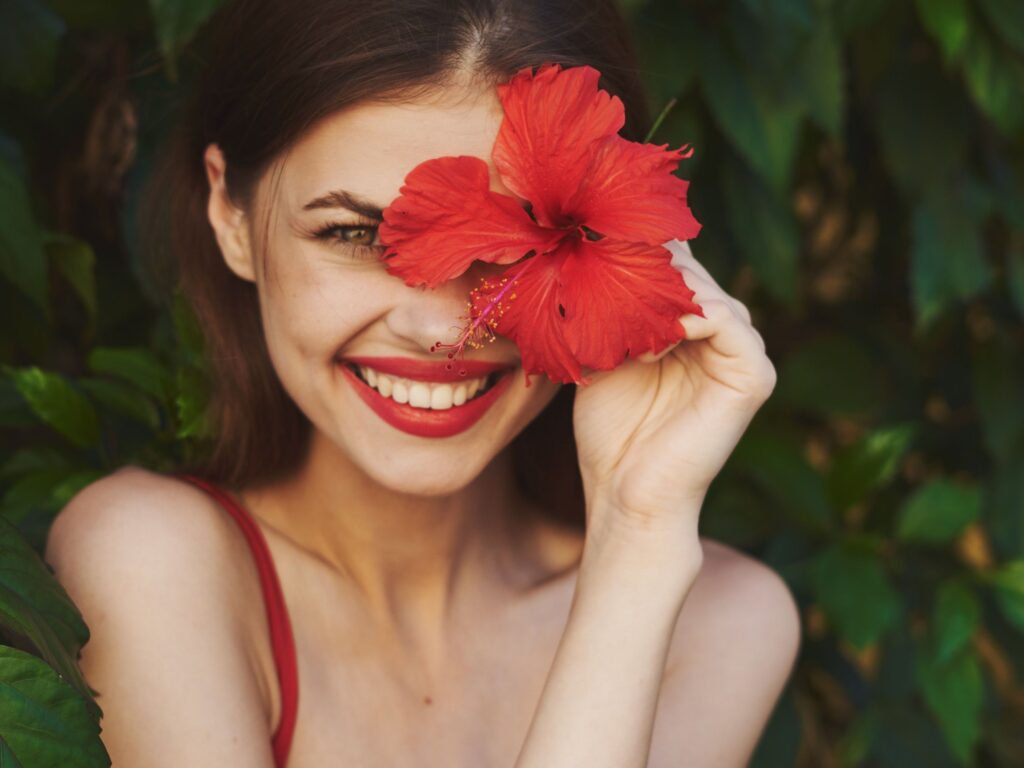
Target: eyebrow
point(339, 198)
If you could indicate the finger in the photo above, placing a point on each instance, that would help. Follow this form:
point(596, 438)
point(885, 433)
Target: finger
point(726, 332)
point(682, 256)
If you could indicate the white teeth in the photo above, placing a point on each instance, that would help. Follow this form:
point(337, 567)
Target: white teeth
point(459, 396)
point(422, 394)
point(419, 395)
point(441, 397)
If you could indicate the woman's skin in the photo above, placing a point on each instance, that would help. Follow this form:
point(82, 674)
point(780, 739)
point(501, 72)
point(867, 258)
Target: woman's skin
point(440, 620)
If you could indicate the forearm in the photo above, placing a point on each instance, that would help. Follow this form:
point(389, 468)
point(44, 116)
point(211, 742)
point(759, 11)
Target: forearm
point(598, 704)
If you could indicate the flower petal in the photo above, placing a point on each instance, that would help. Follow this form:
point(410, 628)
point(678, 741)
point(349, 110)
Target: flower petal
point(630, 193)
point(621, 298)
point(446, 217)
point(544, 143)
point(532, 318)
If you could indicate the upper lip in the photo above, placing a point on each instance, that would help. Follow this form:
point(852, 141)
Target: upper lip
point(429, 370)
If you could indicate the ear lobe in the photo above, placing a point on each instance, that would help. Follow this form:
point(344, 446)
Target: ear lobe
point(228, 221)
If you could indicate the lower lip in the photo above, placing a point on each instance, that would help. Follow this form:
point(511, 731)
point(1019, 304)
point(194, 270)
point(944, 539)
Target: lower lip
point(424, 422)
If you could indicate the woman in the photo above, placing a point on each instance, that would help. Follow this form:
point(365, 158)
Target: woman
point(338, 584)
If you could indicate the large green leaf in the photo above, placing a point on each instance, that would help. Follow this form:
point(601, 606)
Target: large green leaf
point(1003, 502)
point(995, 80)
point(764, 133)
point(1015, 270)
point(954, 691)
point(1008, 582)
point(831, 373)
point(76, 262)
point(137, 365)
point(947, 254)
point(765, 229)
point(938, 511)
point(1007, 18)
point(955, 618)
point(57, 403)
point(855, 593)
point(998, 381)
point(43, 721)
point(30, 35)
point(124, 399)
point(35, 605)
point(22, 260)
point(911, 95)
point(868, 464)
point(782, 473)
point(947, 21)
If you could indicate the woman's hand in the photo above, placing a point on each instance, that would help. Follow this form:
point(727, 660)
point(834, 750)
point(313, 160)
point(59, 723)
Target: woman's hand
point(653, 433)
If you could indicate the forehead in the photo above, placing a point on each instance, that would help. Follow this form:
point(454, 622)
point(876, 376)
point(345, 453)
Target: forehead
point(368, 149)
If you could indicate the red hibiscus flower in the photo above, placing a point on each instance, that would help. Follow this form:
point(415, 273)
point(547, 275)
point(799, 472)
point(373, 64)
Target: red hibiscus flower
point(589, 280)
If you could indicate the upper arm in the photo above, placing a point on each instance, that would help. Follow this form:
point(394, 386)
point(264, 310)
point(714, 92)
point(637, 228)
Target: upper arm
point(147, 560)
point(735, 645)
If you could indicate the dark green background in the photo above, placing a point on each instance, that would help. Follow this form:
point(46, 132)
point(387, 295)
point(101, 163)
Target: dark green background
point(859, 172)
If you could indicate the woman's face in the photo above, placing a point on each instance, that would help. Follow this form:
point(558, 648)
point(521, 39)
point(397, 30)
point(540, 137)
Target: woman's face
point(327, 299)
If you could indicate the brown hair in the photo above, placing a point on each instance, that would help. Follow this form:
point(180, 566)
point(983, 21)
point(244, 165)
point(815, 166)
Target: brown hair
point(272, 70)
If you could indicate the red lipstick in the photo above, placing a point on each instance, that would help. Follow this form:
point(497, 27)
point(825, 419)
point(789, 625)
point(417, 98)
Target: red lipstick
point(424, 422)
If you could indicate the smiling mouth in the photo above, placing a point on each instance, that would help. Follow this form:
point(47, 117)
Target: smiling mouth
point(400, 389)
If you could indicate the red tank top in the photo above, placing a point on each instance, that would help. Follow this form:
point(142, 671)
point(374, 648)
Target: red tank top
point(281, 640)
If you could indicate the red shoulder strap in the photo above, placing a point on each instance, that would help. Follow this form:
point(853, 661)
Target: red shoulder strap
point(282, 642)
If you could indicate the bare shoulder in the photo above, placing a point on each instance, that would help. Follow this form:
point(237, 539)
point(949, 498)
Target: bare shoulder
point(735, 645)
point(166, 587)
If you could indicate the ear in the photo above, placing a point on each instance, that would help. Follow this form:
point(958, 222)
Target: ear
point(228, 221)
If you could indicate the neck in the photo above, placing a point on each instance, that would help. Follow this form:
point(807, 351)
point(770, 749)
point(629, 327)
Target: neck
point(412, 560)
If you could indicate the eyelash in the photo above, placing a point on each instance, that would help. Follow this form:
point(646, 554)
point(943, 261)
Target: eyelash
point(367, 252)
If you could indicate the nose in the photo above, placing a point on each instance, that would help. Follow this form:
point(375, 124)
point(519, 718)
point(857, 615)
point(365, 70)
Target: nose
point(425, 316)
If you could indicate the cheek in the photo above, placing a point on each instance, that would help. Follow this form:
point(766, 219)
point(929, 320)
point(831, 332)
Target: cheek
point(310, 308)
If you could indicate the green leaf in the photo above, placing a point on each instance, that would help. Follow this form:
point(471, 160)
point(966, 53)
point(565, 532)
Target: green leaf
point(1004, 500)
point(911, 94)
point(781, 472)
point(35, 605)
point(1015, 271)
point(855, 593)
point(954, 692)
point(823, 80)
point(853, 15)
point(1007, 18)
point(136, 365)
point(43, 721)
point(831, 373)
point(765, 229)
point(30, 35)
point(956, 617)
point(947, 255)
point(938, 511)
point(76, 263)
point(796, 13)
point(123, 399)
point(176, 21)
point(996, 83)
point(1008, 582)
point(764, 133)
point(58, 404)
point(22, 260)
point(998, 380)
point(868, 464)
point(947, 21)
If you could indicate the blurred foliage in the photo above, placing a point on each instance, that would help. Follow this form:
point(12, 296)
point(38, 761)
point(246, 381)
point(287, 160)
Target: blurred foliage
point(859, 171)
